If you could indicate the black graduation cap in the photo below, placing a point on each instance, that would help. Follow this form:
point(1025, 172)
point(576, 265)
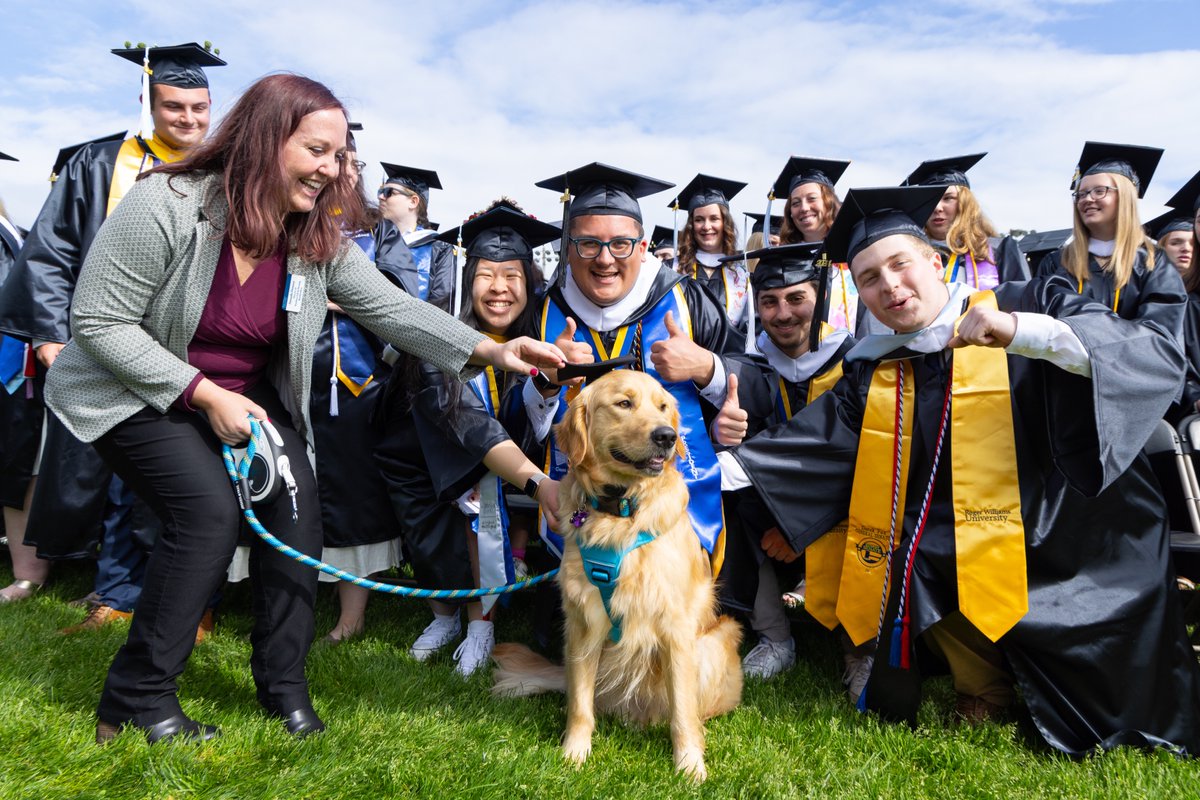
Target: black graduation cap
point(1135, 162)
point(179, 65)
point(661, 237)
point(776, 222)
point(1037, 244)
point(7, 157)
point(502, 234)
point(355, 127)
point(419, 180)
point(595, 369)
point(64, 155)
point(802, 169)
point(705, 190)
point(944, 171)
point(785, 265)
point(1177, 219)
point(602, 189)
point(869, 215)
point(1188, 196)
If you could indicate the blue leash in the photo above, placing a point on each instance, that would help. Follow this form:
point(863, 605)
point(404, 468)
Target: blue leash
point(240, 475)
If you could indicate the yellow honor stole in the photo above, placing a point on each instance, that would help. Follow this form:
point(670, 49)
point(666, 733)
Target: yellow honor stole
point(989, 533)
point(135, 156)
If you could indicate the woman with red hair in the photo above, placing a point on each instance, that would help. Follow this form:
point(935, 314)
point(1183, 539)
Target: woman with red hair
point(197, 309)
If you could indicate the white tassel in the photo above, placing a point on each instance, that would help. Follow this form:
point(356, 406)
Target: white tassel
point(147, 121)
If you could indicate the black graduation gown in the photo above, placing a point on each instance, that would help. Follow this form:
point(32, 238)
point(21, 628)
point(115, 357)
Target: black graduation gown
point(1191, 348)
point(428, 459)
point(394, 258)
point(758, 395)
point(735, 339)
point(20, 415)
point(1101, 657)
point(1009, 260)
point(65, 517)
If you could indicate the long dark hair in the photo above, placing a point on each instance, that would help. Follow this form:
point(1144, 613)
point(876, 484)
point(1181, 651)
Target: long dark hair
point(248, 150)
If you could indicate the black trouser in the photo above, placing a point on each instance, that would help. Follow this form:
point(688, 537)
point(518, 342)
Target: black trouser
point(173, 462)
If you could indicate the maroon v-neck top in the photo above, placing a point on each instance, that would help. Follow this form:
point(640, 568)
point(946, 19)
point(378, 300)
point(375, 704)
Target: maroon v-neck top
point(240, 325)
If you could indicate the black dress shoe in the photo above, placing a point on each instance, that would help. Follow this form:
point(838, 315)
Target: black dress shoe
point(301, 722)
point(177, 727)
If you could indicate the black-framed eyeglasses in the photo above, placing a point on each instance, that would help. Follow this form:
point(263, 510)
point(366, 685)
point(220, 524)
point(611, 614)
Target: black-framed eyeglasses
point(1096, 192)
point(620, 247)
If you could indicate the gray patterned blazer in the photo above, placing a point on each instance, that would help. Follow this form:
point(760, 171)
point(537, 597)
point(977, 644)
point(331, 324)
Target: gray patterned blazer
point(144, 285)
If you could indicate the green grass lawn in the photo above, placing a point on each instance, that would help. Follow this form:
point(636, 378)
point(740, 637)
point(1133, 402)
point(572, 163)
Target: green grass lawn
point(402, 729)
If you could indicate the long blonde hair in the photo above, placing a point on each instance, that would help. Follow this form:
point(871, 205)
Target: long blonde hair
point(970, 230)
point(1130, 237)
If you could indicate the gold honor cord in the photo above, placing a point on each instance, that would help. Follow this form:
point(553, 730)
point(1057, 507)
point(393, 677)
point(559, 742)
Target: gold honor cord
point(989, 534)
point(878, 479)
point(1116, 295)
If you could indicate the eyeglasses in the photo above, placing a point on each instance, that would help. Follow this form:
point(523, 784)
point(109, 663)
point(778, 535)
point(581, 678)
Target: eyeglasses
point(1096, 192)
point(620, 247)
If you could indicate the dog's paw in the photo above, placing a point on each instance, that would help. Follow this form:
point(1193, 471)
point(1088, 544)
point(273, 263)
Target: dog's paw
point(576, 749)
point(690, 762)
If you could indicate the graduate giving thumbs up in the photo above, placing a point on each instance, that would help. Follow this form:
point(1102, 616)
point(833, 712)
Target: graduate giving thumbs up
point(731, 423)
point(574, 352)
point(677, 358)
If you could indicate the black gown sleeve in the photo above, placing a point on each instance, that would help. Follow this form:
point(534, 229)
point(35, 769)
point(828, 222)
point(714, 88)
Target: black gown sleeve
point(710, 327)
point(1010, 261)
point(803, 469)
point(35, 302)
point(443, 272)
point(453, 442)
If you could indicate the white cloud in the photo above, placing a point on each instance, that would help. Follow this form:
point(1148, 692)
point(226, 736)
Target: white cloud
point(496, 97)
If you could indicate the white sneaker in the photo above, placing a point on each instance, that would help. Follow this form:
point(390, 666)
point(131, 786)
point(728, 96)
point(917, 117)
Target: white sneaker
point(769, 658)
point(520, 569)
point(439, 633)
point(475, 651)
point(858, 670)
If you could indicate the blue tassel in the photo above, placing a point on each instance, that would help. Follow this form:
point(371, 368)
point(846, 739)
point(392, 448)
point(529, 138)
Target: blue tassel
point(894, 656)
point(861, 705)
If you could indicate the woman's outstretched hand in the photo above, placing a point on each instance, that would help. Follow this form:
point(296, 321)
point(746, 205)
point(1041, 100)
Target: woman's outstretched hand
point(523, 354)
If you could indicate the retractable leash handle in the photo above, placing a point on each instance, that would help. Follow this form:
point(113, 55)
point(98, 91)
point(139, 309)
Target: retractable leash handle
point(239, 475)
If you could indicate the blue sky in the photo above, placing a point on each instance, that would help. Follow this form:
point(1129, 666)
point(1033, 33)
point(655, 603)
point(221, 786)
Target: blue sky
point(496, 96)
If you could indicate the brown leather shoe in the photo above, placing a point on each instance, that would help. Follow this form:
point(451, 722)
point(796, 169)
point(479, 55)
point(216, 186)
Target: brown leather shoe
point(97, 617)
point(205, 627)
point(976, 710)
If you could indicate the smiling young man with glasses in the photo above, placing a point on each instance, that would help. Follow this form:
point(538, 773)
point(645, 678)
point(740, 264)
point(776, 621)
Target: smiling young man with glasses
point(613, 300)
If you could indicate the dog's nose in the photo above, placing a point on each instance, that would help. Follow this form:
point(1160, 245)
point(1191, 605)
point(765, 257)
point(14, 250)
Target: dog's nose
point(663, 436)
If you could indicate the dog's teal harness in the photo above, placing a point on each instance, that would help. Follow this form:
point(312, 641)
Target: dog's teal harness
point(602, 565)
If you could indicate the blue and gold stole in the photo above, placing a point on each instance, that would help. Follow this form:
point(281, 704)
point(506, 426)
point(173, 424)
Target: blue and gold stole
point(700, 470)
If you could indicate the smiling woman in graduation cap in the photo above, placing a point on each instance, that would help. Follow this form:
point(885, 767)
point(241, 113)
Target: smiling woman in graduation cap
point(812, 205)
point(1110, 259)
point(710, 235)
point(444, 448)
point(975, 253)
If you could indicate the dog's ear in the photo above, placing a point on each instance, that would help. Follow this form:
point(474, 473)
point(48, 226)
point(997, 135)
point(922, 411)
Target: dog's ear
point(572, 432)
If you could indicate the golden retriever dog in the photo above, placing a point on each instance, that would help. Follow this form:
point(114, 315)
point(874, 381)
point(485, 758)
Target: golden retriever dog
point(676, 660)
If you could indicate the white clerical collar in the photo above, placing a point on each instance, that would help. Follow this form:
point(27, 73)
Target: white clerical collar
point(603, 319)
point(1101, 248)
point(709, 260)
point(805, 365)
point(930, 339)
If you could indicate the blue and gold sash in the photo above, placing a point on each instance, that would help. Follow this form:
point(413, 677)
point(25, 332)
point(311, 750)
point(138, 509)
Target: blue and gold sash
point(700, 470)
point(491, 524)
